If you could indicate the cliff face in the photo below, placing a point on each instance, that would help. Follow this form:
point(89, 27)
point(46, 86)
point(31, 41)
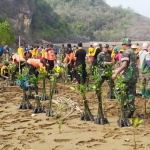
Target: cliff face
point(19, 13)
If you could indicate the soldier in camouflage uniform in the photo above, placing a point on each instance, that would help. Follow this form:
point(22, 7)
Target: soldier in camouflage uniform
point(105, 69)
point(129, 75)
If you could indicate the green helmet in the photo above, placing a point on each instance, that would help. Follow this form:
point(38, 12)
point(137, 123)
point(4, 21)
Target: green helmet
point(126, 41)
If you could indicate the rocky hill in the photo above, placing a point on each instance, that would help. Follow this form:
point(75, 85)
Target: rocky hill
point(73, 20)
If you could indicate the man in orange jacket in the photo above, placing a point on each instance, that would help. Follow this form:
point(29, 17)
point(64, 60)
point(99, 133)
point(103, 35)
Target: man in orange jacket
point(50, 57)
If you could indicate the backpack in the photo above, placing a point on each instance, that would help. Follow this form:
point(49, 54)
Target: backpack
point(1, 49)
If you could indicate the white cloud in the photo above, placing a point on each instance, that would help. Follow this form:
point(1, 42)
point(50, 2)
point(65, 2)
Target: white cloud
point(139, 6)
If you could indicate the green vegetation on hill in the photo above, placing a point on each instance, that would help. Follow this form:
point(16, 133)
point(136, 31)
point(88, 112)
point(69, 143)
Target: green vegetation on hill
point(98, 20)
point(73, 20)
point(47, 24)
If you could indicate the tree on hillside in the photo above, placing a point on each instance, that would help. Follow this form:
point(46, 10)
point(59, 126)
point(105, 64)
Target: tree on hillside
point(6, 34)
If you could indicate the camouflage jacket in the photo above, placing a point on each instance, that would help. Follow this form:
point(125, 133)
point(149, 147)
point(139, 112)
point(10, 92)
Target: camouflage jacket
point(130, 73)
point(101, 58)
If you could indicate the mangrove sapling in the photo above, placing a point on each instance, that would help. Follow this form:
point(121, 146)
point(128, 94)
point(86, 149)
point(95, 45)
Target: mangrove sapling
point(97, 86)
point(60, 114)
point(11, 79)
point(30, 88)
point(54, 76)
point(86, 115)
point(42, 75)
point(135, 122)
point(49, 112)
point(25, 104)
point(120, 96)
point(108, 73)
point(38, 108)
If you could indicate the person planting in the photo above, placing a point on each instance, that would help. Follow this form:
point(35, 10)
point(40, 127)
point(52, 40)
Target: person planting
point(105, 67)
point(19, 61)
point(129, 75)
point(70, 59)
point(5, 71)
point(35, 65)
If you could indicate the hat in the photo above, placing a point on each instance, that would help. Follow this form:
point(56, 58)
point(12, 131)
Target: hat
point(133, 46)
point(126, 41)
point(105, 45)
point(121, 50)
point(95, 44)
point(145, 46)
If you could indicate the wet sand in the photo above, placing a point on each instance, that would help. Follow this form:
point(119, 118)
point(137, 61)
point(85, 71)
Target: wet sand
point(20, 131)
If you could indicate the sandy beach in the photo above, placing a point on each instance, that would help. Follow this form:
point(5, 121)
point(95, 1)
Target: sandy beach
point(21, 131)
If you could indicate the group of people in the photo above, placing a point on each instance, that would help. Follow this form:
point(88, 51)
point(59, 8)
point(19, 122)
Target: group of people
point(129, 59)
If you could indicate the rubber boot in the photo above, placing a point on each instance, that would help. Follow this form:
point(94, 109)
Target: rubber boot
point(143, 91)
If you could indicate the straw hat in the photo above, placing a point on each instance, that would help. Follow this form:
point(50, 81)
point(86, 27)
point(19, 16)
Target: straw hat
point(133, 46)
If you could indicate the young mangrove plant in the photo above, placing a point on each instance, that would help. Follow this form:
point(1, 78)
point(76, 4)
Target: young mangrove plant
point(49, 112)
point(42, 75)
point(86, 115)
point(61, 113)
point(120, 96)
point(25, 104)
point(11, 79)
point(30, 88)
point(38, 108)
point(53, 90)
point(135, 122)
point(97, 86)
point(108, 73)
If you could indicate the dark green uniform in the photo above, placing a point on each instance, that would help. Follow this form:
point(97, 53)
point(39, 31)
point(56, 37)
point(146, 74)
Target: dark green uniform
point(103, 71)
point(129, 76)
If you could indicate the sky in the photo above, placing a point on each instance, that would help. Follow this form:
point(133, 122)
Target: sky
point(139, 6)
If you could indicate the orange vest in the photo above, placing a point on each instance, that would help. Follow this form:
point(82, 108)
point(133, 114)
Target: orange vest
point(50, 55)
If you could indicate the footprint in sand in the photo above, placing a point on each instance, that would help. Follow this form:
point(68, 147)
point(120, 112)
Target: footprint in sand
point(91, 141)
point(62, 140)
point(26, 146)
point(7, 147)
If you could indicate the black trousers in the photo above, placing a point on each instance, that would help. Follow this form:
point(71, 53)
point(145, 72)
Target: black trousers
point(51, 66)
point(71, 70)
point(32, 70)
point(81, 80)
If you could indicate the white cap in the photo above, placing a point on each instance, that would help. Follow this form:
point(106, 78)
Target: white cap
point(145, 46)
point(95, 44)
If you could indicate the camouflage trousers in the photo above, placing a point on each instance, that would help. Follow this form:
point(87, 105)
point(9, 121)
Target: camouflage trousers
point(111, 85)
point(129, 97)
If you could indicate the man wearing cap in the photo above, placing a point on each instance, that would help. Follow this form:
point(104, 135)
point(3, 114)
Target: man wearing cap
point(129, 75)
point(144, 57)
point(104, 60)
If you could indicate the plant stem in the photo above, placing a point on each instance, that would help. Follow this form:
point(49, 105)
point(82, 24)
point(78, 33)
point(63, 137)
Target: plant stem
point(100, 108)
point(134, 139)
point(44, 91)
